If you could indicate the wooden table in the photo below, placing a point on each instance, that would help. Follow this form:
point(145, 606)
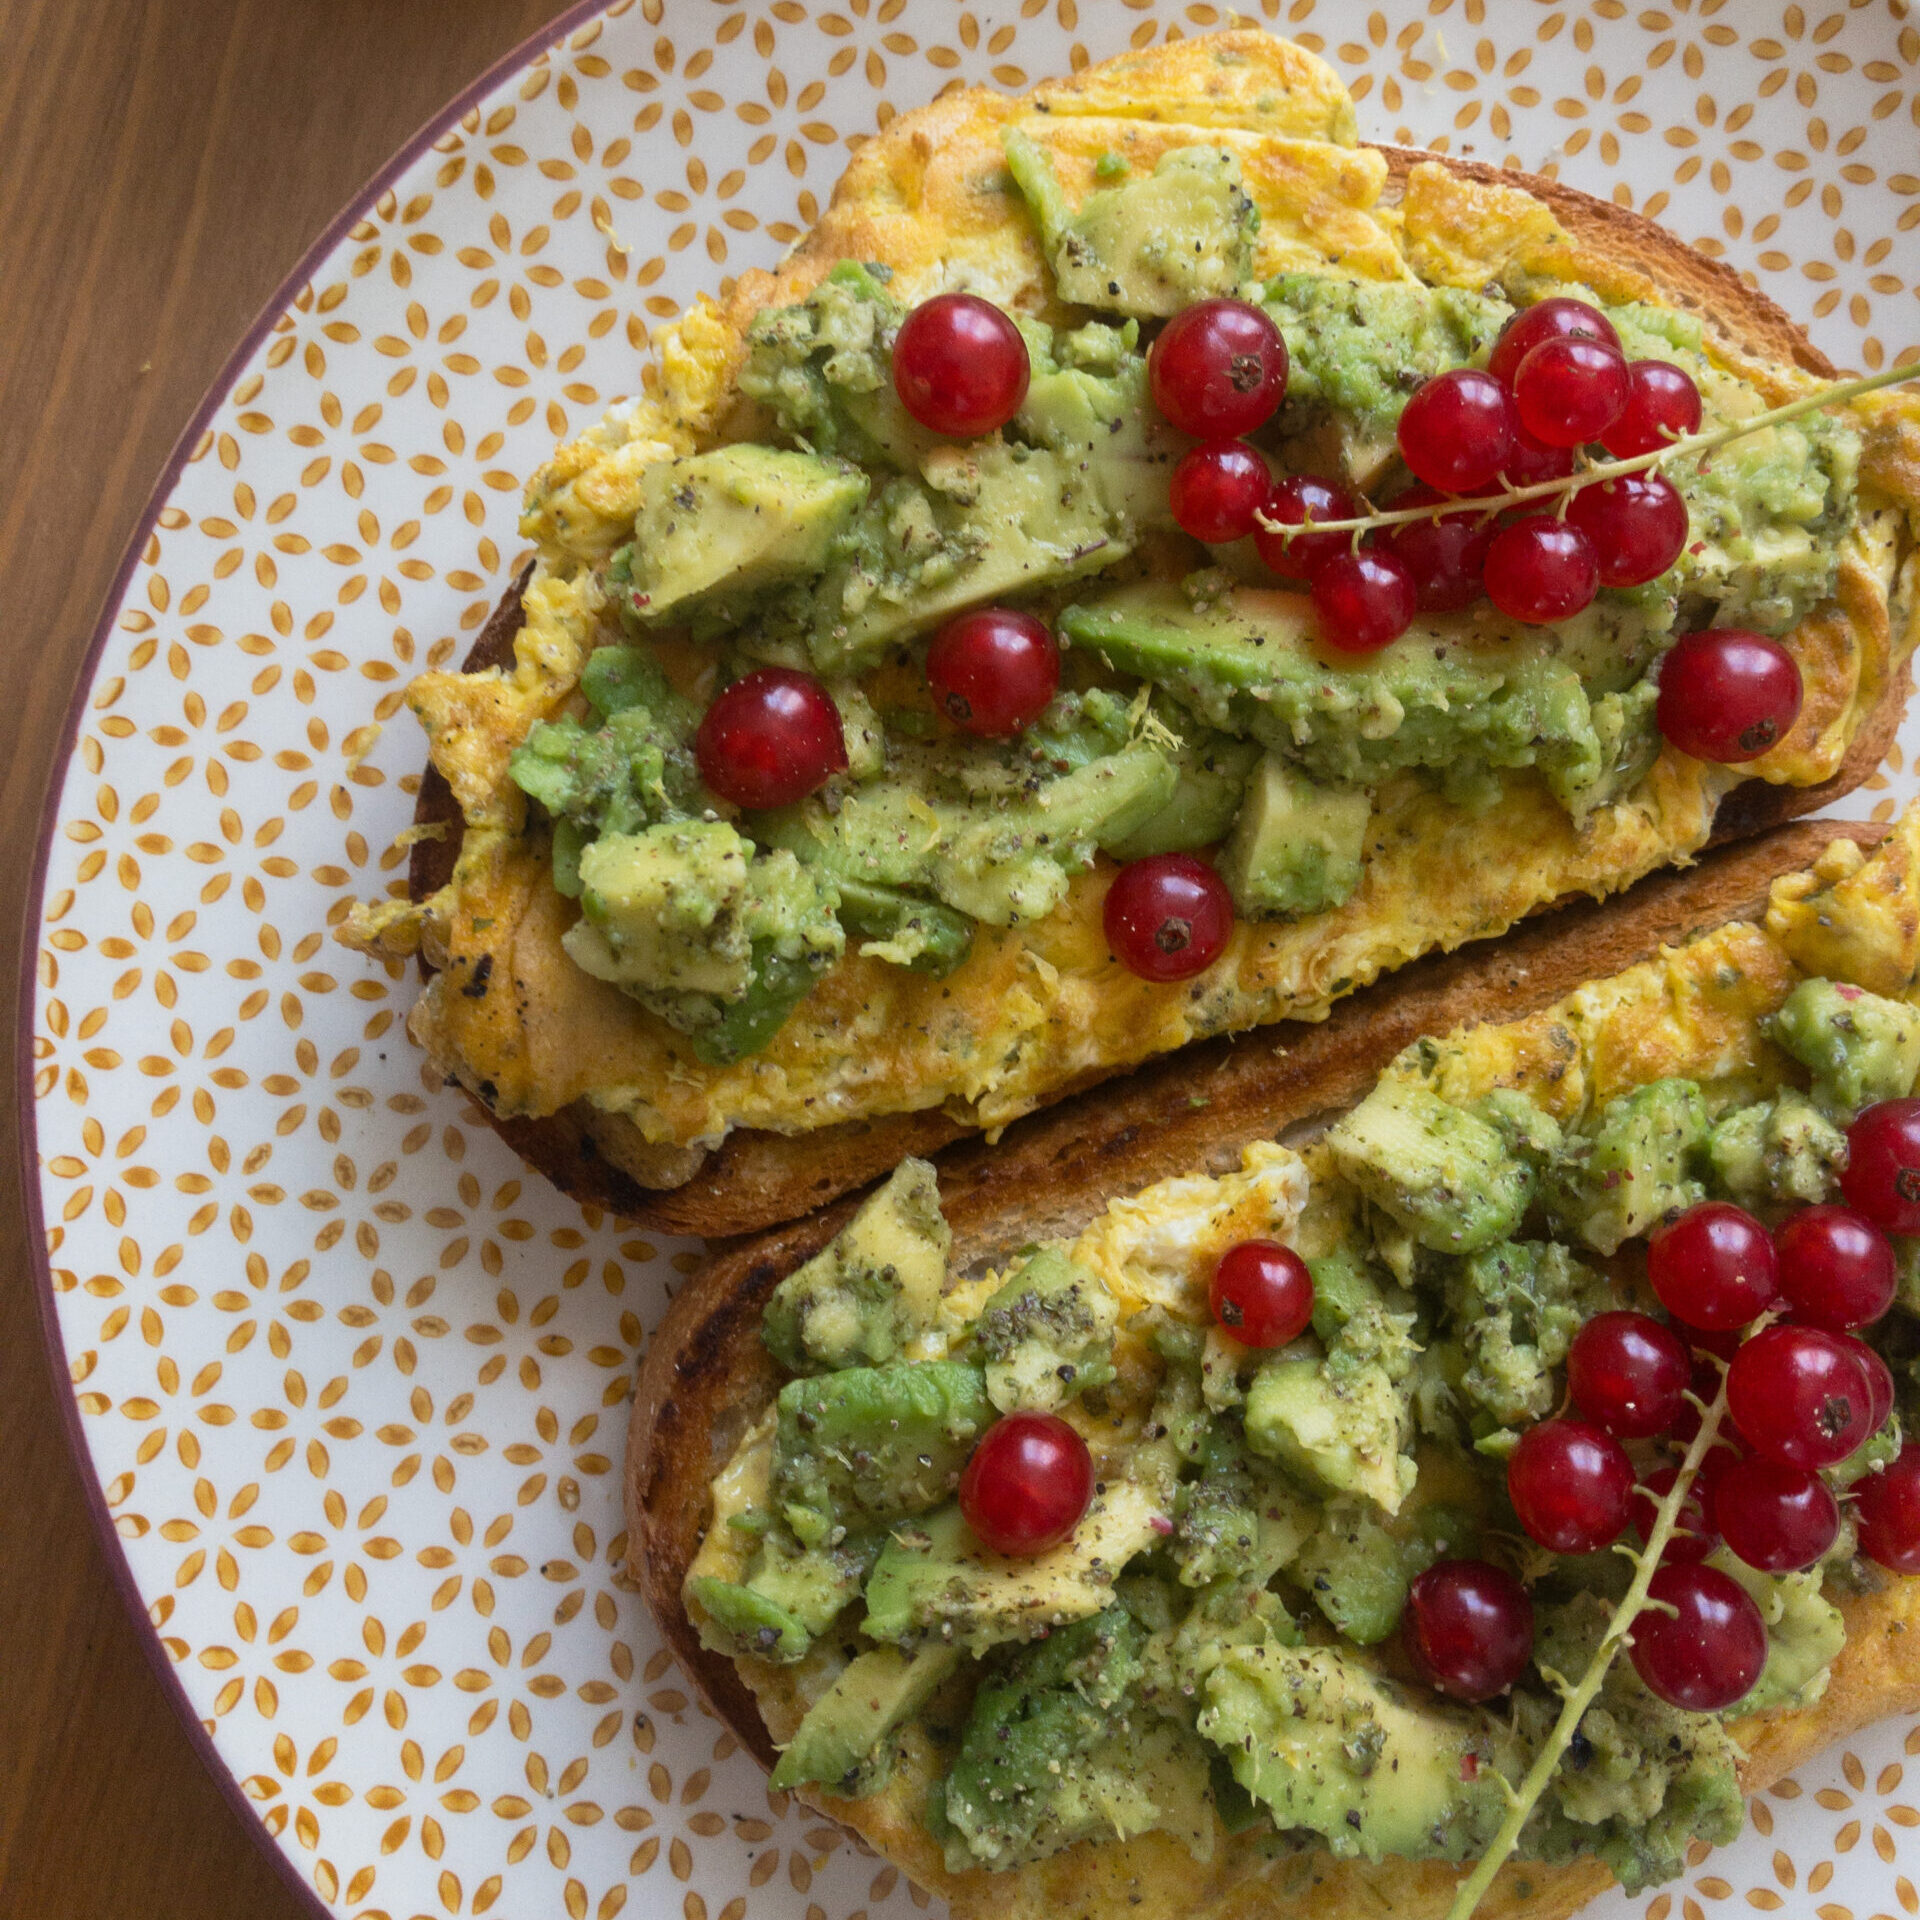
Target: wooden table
point(163, 163)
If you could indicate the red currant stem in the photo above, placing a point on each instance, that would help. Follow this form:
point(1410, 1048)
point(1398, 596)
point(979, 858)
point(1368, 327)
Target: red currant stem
point(1577, 1698)
point(1486, 504)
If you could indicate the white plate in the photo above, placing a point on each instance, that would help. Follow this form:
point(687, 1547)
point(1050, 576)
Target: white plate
point(350, 1383)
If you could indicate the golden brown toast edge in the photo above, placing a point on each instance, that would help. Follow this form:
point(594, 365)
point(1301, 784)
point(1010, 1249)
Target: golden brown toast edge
point(757, 1177)
point(706, 1375)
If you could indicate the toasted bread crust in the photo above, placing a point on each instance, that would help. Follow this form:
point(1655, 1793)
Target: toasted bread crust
point(707, 1375)
point(756, 1177)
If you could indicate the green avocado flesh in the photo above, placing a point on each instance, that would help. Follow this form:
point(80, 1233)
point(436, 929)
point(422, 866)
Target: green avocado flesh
point(1215, 1648)
point(831, 533)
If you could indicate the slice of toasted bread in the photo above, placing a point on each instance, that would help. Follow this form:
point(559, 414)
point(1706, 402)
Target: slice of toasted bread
point(756, 1177)
point(707, 1375)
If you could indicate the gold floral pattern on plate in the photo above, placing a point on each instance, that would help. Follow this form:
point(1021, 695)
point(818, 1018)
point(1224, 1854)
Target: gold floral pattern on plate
point(352, 1382)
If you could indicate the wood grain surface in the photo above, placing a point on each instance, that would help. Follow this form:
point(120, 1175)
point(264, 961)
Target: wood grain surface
point(163, 164)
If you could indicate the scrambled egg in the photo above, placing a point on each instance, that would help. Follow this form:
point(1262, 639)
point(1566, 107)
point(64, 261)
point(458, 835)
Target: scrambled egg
point(1038, 1010)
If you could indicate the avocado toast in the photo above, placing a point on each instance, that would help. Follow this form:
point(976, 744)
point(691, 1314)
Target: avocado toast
point(1199, 1702)
point(930, 959)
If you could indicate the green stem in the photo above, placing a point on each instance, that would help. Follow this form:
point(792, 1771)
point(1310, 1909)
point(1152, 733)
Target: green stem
point(1540, 1775)
point(1610, 469)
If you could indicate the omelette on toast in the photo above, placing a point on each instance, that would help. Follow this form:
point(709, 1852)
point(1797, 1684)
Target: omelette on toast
point(1231, 1606)
point(931, 958)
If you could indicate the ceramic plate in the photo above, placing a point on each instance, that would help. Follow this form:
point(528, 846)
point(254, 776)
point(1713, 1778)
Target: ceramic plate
point(350, 1384)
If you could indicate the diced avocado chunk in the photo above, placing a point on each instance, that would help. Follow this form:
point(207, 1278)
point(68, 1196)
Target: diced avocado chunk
point(617, 778)
point(1805, 1631)
point(874, 1443)
point(1783, 1150)
point(934, 1577)
point(713, 529)
point(739, 1620)
point(1046, 1334)
point(877, 1282)
point(1329, 1746)
point(1340, 1429)
point(1149, 246)
point(1859, 1046)
point(1210, 778)
point(1236, 1521)
point(719, 940)
point(1631, 1170)
point(1360, 1572)
point(843, 1744)
point(909, 931)
point(1296, 847)
point(1002, 857)
point(1516, 1307)
point(1442, 1172)
point(790, 1595)
point(1093, 409)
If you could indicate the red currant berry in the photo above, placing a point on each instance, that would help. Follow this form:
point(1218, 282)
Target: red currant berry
point(1798, 1396)
point(771, 738)
point(1571, 1484)
point(1027, 1484)
point(1468, 1629)
point(1636, 524)
point(1776, 1518)
point(1456, 432)
point(1888, 1506)
point(1570, 389)
point(994, 670)
point(960, 365)
point(1262, 1293)
point(1694, 1533)
point(1727, 695)
point(1713, 1267)
point(1545, 320)
point(1663, 405)
point(1836, 1269)
point(1445, 555)
point(1365, 600)
point(1882, 1177)
point(1628, 1374)
point(1217, 489)
point(1705, 1655)
point(1879, 1381)
point(1218, 369)
point(1540, 570)
point(1533, 461)
point(1296, 500)
point(1167, 917)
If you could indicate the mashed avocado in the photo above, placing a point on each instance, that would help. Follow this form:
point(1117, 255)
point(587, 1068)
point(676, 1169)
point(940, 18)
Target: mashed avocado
point(1214, 1649)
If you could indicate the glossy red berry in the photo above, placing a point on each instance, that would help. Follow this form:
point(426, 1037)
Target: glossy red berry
point(1217, 489)
point(1694, 1534)
point(1532, 461)
point(1837, 1269)
point(1365, 600)
point(1798, 1396)
point(1887, 1504)
point(1456, 431)
point(1027, 1484)
point(1570, 389)
point(1879, 1381)
point(1546, 320)
point(1468, 1629)
point(1296, 500)
point(1727, 695)
point(771, 738)
point(1540, 569)
point(1705, 1655)
point(1713, 1267)
point(1571, 1484)
point(994, 670)
point(1445, 555)
point(1628, 1374)
point(1882, 1177)
point(1262, 1293)
point(1778, 1519)
point(1636, 526)
point(1218, 369)
point(960, 365)
point(1167, 917)
point(1663, 405)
